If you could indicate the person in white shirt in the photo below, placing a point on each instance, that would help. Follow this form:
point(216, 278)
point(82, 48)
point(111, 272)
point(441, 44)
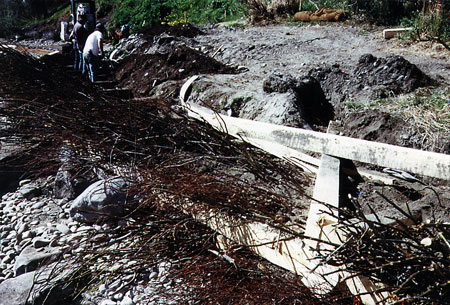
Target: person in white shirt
point(93, 50)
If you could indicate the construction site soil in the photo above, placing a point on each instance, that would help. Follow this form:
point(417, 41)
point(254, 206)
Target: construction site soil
point(249, 64)
point(159, 68)
point(245, 69)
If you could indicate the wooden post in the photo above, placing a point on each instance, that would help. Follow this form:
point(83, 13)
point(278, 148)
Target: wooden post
point(300, 6)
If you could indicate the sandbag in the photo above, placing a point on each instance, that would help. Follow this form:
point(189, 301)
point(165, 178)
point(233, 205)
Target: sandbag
point(323, 14)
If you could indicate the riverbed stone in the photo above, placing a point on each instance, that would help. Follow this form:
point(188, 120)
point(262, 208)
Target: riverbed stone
point(40, 242)
point(30, 258)
point(103, 199)
point(36, 286)
point(64, 229)
point(30, 191)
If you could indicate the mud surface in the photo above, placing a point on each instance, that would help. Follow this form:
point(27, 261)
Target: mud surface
point(351, 63)
point(297, 50)
point(154, 69)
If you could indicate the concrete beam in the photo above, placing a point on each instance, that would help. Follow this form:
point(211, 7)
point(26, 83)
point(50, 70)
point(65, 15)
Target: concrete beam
point(391, 33)
point(411, 160)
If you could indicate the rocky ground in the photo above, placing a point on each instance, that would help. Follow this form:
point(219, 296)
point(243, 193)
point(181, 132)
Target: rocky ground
point(37, 229)
point(299, 76)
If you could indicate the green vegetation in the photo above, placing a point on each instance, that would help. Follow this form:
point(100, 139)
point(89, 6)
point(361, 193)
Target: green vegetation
point(428, 23)
point(308, 5)
point(142, 13)
point(437, 100)
point(430, 27)
point(139, 13)
point(384, 12)
point(9, 15)
point(204, 11)
point(8, 23)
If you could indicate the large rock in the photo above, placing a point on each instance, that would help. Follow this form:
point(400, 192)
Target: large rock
point(47, 286)
point(68, 184)
point(16, 290)
point(30, 190)
point(31, 258)
point(103, 199)
point(63, 187)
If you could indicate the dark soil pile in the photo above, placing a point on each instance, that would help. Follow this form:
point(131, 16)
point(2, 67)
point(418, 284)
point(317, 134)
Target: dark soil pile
point(334, 82)
point(142, 72)
point(375, 126)
point(383, 127)
point(178, 30)
point(431, 205)
point(372, 78)
point(25, 77)
point(394, 73)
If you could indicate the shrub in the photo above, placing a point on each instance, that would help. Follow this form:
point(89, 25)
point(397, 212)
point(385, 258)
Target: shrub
point(431, 27)
point(385, 12)
point(8, 20)
point(262, 10)
point(203, 11)
point(309, 5)
point(143, 13)
point(258, 10)
point(139, 13)
point(7, 25)
point(105, 7)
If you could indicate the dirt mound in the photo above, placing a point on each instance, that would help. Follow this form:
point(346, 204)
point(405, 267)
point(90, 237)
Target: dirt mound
point(375, 126)
point(372, 78)
point(161, 34)
point(379, 126)
point(142, 72)
point(430, 204)
point(333, 81)
point(178, 30)
point(395, 73)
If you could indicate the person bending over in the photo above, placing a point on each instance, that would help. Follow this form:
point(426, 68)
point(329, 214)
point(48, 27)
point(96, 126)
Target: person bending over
point(93, 50)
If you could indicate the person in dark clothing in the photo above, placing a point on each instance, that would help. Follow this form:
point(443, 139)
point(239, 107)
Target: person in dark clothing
point(79, 36)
